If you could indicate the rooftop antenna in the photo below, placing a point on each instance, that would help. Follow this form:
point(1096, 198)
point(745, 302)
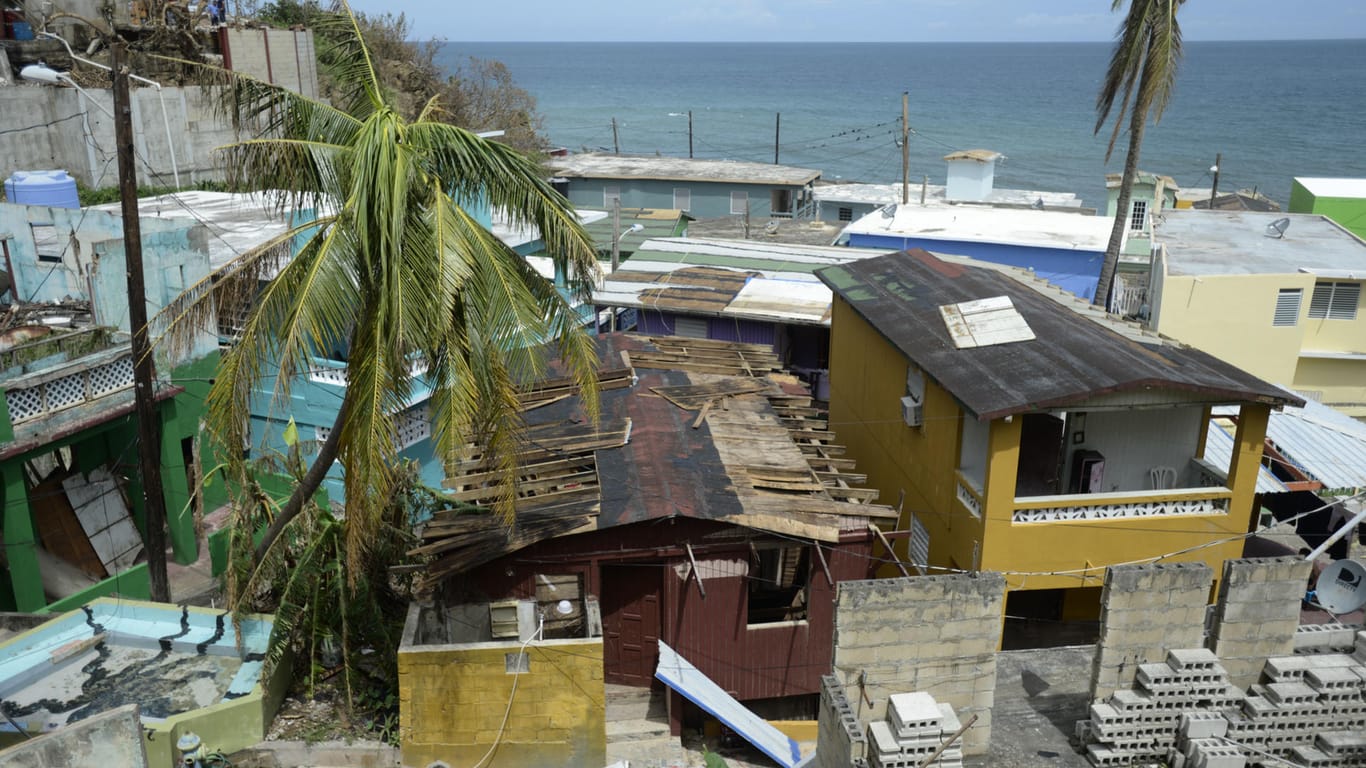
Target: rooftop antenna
point(1278, 227)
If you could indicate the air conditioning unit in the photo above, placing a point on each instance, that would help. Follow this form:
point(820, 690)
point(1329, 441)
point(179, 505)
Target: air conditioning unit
point(912, 412)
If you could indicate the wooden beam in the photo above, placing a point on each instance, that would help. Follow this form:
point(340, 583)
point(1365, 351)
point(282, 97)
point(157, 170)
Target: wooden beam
point(824, 566)
point(696, 573)
point(702, 414)
point(892, 552)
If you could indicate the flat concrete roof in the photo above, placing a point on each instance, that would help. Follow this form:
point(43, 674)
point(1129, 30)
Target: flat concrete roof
point(1333, 187)
point(980, 224)
point(237, 223)
point(1235, 243)
point(885, 194)
point(599, 166)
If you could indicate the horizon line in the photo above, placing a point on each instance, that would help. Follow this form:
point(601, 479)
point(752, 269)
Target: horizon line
point(889, 42)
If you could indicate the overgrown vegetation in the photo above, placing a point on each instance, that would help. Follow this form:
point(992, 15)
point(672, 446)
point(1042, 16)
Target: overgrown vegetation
point(105, 195)
point(480, 95)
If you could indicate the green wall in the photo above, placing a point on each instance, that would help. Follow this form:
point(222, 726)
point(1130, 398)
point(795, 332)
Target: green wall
point(1348, 212)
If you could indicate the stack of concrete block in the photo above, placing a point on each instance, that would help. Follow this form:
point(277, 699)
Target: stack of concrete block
point(1313, 639)
point(1148, 608)
point(1144, 723)
point(840, 740)
point(936, 634)
point(1208, 753)
point(1336, 749)
point(1258, 613)
point(916, 725)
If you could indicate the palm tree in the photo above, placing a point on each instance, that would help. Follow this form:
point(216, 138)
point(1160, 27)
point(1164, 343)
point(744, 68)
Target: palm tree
point(1141, 78)
point(394, 270)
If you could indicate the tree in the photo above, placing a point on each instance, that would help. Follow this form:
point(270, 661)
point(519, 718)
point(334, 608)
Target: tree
point(1140, 79)
point(395, 271)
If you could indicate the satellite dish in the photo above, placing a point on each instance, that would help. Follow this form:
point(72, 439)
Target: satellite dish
point(1277, 228)
point(889, 212)
point(1341, 587)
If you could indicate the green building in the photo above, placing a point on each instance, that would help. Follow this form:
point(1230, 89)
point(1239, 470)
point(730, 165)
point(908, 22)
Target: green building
point(1342, 200)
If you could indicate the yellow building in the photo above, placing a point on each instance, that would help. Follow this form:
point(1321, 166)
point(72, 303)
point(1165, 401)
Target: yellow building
point(1023, 436)
point(1282, 301)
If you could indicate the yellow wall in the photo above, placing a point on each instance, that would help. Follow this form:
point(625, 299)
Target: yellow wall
point(452, 699)
point(1229, 316)
point(1341, 382)
point(867, 382)
point(867, 379)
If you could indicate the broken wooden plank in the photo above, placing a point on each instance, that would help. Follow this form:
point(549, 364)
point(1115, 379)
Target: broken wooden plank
point(890, 552)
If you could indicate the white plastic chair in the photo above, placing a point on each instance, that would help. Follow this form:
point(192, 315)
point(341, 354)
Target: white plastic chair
point(1162, 478)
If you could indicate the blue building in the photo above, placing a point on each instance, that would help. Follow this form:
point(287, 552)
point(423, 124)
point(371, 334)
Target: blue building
point(703, 189)
point(1066, 249)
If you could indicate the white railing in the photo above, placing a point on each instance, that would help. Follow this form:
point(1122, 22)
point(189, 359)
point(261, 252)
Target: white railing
point(1125, 505)
point(1126, 300)
point(969, 497)
point(67, 386)
point(334, 372)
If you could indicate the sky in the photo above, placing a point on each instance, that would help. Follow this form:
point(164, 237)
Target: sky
point(857, 20)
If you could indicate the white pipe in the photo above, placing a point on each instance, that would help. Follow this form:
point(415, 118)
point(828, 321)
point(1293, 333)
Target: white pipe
point(166, 121)
point(1338, 534)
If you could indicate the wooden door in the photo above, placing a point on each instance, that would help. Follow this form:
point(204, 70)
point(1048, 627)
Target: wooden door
point(630, 623)
point(1041, 446)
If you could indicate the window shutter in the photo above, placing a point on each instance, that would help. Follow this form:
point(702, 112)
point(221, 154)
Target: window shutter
point(1343, 306)
point(1287, 306)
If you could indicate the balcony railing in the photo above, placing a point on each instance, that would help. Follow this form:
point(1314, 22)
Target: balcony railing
point(39, 394)
point(1179, 502)
point(968, 495)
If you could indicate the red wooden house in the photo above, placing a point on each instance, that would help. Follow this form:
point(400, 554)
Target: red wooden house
point(709, 508)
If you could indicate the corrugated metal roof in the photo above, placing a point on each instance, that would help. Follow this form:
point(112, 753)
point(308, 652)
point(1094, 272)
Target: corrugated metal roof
point(742, 279)
point(1073, 358)
point(598, 166)
point(1219, 456)
point(1327, 445)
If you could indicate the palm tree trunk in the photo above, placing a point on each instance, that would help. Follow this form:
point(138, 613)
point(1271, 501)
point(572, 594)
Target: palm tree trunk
point(1138, 120)
point(308, 485)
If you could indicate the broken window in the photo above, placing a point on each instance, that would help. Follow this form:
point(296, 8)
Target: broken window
point(778, 583)
point(559, 601)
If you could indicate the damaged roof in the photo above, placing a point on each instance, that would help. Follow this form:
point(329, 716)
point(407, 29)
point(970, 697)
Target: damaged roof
point(688, 428)
point(1073, 358)
point(593, 165)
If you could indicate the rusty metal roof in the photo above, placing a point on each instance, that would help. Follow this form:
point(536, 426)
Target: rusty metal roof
point(1073, 358)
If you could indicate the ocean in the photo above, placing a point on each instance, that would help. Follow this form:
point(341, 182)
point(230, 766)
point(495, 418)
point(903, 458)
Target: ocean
point(1273, 110)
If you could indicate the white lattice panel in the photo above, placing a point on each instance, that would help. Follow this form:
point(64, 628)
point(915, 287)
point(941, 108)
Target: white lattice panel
point(969, 501)
point(920, 545)
point(328, 376)
point(323, 433)
point(1173, 508)
point(412, 426)
point(24, 404)
point(65, 392)
point(111, 377)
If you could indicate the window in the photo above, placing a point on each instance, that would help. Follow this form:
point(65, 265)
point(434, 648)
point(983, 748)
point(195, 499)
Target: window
point(739, 202)
point(692, 327)
point(611, 196)
point(682, 198)
point(47, 243)
point(559, 603)
point(1335, 300)
point(1138, 216)
point(778, 580)
point(1287, 306)
point(846, 214)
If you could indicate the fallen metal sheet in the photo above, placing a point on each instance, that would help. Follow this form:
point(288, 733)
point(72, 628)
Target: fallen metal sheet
point(680, 675)
point(100, 507)
point(1219, 454)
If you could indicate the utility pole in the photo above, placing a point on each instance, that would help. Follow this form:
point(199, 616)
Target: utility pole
point(616, 145)
point(144, 375)
point(616, 254)
point(777, 131)
point(906, 147)
point(1214, 190)
point(690, 134)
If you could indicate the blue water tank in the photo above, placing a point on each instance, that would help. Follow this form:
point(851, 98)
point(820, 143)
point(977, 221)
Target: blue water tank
point(55, 189)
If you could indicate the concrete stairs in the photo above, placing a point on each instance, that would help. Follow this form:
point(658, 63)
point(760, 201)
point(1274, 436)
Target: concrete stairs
point(638, 729)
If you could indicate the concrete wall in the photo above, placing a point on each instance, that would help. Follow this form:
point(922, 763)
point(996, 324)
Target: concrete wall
point(841, 741)
point(285, 57)
point(937, 634)
point(452, 700)
point(65, 130)
point(112, 738)
point(1349, 212)
point(708, 200)
point(1147, 609)
point(1258, 613)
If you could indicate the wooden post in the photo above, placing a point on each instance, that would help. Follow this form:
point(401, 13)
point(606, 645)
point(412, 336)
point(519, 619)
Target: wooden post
point(616, 145)
point(777, 131)
point(947, 743)
point(616, 248)
point(1214, 190)
point(906, 148)
point(690, 134)
point(144, 375)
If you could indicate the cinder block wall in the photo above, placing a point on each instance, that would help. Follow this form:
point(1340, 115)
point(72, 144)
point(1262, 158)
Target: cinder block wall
point(1257, 614)
point(840, 739)
point(937, 634)
point(1147, 609)
point(452, 699)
